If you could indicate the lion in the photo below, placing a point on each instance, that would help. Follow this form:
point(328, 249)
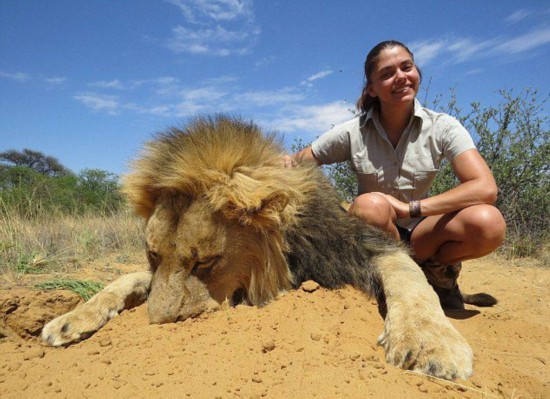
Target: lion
point(227, 223)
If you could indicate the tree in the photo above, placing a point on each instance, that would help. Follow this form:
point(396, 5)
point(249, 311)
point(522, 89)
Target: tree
point(43, 164)
point(100, 190)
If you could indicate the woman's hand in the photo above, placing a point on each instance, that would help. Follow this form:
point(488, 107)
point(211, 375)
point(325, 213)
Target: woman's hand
point(289, 161)
point(401, 208)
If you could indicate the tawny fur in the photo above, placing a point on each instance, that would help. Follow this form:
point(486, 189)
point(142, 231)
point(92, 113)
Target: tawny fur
point(226, 160)
point(218, 189)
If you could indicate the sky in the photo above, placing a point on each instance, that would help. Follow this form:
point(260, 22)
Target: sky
point(88, 82)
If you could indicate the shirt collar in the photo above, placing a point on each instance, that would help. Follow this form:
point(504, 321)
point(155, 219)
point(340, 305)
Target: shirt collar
point(417, 112)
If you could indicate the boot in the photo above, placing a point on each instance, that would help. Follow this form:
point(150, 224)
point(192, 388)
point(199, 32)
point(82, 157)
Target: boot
point(443, 279)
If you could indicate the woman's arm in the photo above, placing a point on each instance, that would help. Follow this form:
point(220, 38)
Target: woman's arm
point(304, 155)
point(477, 186)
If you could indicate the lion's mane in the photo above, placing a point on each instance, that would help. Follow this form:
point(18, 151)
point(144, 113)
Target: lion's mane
point(302, 231)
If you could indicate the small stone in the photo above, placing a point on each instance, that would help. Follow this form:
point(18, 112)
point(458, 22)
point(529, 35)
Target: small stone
point(105, 342)
point(423, 388)
point(268, 346)
point(315, 336)
point(370, 358)
point(34, 353)
point(309, 286)
point(257, 380)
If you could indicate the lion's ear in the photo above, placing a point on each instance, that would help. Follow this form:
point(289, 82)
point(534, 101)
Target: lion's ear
point(251, 201)
point(269, 214)
point(265, 215)
point(275, 202)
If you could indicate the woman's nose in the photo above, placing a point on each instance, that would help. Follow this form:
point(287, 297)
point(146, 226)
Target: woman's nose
point(400, 75)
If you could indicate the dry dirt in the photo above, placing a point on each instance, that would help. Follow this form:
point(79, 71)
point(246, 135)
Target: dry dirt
point(305, 344)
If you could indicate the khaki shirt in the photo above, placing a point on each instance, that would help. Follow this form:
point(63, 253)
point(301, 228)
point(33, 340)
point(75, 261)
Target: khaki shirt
point(405, 172)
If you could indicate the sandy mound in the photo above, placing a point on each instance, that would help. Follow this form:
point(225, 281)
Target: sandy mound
point(306, 344)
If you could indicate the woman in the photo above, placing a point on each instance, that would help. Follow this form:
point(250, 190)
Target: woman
point(396, 147)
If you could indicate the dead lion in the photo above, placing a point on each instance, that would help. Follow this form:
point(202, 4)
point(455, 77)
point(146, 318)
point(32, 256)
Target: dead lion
point(227, 222)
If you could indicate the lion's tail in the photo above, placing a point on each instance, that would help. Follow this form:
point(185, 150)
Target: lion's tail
point(480, 299)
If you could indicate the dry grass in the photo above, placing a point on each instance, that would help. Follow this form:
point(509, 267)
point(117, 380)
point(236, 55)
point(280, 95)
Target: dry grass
point(60, 243)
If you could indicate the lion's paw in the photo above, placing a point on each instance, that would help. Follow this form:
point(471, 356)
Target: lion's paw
point(72, 327)
point(431, 348)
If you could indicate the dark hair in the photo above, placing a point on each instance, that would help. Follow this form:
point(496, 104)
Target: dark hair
point(366, 102)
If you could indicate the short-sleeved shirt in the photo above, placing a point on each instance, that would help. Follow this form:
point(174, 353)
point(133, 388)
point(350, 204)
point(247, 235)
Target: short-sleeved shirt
point(405, 172)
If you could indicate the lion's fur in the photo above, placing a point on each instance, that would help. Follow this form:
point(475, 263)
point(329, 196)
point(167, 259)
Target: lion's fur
point(228, 161)
point(226, 221)
point(300, 230)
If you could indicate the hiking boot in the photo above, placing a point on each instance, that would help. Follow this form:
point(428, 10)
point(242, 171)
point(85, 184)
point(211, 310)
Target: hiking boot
point(443, 279)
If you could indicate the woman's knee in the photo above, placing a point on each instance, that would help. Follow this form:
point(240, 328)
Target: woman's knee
point(373, 208)
point(486, 225)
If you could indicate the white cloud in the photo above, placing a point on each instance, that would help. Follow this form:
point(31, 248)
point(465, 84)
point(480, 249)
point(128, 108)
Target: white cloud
point(264, 61)
point(455, 50)
point(474, 71)
point(319, 75)
point(424, 52)
point(189, 108)
point(113, 84)
point(99, 102)
point(19, 76)
point(214, 27)
point(215, 41)
point(161, 110)
point(207, 93)
point(313, 119)
point(528, 41)
point(284, 109)
point(268, 98)
point(219, 10)
point(55, 80)
point(518, 16)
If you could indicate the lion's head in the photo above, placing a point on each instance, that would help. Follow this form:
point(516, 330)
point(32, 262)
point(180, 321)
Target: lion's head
point(217, 201)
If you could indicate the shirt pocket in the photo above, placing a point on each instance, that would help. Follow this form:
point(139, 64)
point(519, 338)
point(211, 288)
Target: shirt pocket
point(423, 180)
point(368, 182)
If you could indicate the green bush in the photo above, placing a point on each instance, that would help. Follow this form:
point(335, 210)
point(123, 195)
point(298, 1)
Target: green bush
point(29, 191)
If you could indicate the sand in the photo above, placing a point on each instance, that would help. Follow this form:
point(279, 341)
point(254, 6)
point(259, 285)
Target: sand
point(310, 343)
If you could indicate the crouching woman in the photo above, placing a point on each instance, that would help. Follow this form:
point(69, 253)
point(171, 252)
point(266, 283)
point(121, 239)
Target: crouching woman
point(396, 147)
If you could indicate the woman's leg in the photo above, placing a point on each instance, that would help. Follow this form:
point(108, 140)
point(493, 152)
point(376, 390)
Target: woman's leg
point(467, 234)
point(441, 242)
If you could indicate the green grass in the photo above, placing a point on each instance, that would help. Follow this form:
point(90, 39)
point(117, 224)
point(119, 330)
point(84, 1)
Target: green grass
point(86, 289)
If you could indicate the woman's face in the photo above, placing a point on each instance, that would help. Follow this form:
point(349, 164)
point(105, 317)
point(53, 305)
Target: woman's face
point(394, 79)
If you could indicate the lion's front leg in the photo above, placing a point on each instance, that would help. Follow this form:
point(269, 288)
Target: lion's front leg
point(126, 292)
point(417, 334)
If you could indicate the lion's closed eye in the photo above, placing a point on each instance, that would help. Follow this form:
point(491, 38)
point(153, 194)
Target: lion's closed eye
point(206, 263)
point(154, 259)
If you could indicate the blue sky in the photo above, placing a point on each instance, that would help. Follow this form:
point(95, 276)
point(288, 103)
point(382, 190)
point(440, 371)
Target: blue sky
point(89, 81)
